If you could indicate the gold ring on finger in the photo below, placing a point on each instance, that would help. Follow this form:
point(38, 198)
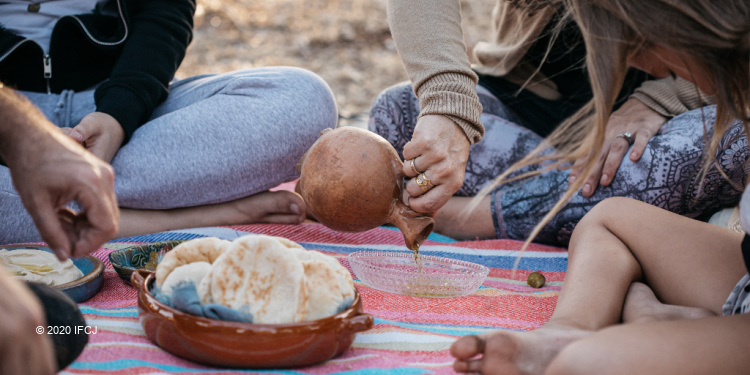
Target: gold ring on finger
point(422, 183)
point(414, 167)
point(427, 181)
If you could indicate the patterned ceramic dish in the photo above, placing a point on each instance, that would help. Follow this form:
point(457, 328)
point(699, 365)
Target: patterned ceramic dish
point(236, 344)
point(397, 272)
point(146, 257)
point(83, 288)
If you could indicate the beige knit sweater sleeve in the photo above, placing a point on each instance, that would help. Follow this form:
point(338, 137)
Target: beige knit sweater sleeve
point(670, 97)
point(429, 39)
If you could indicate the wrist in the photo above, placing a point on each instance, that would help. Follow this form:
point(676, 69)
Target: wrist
point(23, 125)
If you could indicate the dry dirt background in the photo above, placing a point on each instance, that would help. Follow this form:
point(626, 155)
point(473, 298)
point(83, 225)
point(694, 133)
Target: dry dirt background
point(347, 42)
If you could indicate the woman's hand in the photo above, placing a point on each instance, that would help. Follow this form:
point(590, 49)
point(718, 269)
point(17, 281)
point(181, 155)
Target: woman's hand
point(23, 349)
point(100, 133)
point(635, 119)
point(435, 158)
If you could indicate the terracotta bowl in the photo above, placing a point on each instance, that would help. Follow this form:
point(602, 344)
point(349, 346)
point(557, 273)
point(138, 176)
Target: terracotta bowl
point(235, 344)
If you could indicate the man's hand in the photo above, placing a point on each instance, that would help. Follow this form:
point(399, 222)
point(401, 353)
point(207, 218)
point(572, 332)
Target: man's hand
point(633, 117)
point(49, 170)
point(438, 150)
point(55, 172)
point(22, 349)
point(99, 133)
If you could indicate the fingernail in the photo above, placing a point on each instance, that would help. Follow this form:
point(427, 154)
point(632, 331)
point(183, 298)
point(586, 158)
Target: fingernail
point(633, 154)
point(61, 254)
point(587, 189)
point(76, 134)
point(295, 209)
point(605, 178)
point(571, 180)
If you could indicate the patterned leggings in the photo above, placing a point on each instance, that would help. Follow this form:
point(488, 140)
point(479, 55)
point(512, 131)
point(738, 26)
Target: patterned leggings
point(667, 175)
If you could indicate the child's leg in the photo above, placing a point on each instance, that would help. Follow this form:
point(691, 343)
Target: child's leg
point(620, 241)
point(642, 305)
point(715, 345)
point(686, 262)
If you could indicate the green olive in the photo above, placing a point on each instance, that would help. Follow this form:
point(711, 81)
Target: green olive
point(535, 280)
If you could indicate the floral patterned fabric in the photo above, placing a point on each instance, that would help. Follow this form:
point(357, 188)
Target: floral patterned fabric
point(667, 175)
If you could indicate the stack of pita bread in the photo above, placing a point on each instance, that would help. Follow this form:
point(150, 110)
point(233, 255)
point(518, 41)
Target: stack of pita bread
point(275, 279)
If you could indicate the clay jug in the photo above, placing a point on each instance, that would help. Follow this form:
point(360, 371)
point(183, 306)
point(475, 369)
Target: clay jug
point(352, 180)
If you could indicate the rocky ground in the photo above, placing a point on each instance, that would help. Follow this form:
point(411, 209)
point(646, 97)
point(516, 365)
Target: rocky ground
point(347, 42)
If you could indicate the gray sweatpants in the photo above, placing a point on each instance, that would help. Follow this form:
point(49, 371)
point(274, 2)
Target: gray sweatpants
point(216, 138)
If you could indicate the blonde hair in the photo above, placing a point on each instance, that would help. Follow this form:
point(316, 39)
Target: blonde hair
point(714, 34)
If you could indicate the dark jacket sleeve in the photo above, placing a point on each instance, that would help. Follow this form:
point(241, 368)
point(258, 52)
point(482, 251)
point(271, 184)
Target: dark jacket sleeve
point(8, 40)
point(159, 33)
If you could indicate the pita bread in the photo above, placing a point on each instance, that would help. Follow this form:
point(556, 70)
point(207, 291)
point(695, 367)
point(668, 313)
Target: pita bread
point(324, 294)
point(257, 272)
point(205, 249)
point(337, 271)
point(328, 283)
point(191, 272)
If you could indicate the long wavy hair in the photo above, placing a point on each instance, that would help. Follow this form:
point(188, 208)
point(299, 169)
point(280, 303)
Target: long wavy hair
point(712, 34)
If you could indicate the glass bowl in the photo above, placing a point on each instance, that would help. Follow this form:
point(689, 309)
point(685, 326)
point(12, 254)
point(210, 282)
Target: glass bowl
point(397, 272)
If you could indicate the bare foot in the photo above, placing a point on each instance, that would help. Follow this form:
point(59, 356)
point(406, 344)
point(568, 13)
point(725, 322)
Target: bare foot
point(513, 353)
point(641, 305)
point(274, 207)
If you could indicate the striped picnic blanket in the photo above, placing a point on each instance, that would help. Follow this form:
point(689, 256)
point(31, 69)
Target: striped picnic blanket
point(411, 335)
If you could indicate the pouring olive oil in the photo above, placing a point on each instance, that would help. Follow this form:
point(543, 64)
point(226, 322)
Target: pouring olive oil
point(417, 258)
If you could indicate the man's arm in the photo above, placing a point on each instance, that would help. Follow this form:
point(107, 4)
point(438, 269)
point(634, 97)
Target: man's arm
point(50, 170)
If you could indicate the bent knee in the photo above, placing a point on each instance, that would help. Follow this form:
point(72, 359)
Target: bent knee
point(314, 97)
point(306, 83)
point(393, 93)
point(599, 216)
point(393, 97)
point(291, 91)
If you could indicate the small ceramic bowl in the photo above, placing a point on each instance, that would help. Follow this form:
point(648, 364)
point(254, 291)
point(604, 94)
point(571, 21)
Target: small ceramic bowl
point(83, 288)
point(235, 344)
point(146, 257)
point(397, 272)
